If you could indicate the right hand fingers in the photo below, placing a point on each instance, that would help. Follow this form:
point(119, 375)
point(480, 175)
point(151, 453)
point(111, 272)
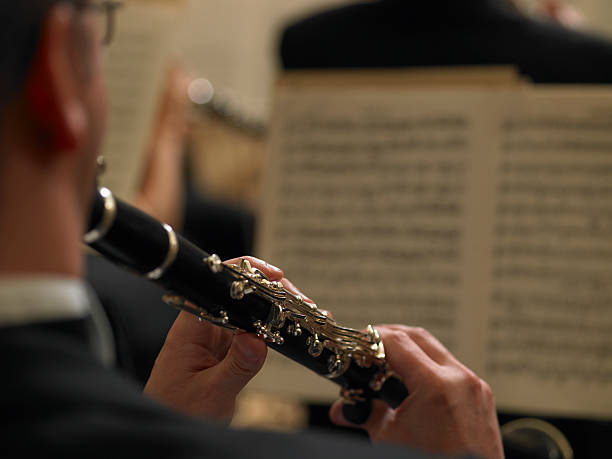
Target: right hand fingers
point(412, 364)
point(422, 362)
point(426, 341)
point(414, 354)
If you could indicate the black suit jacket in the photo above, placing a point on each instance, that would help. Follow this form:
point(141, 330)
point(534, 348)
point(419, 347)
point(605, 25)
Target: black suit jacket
point(58, 401)
point(406, 33)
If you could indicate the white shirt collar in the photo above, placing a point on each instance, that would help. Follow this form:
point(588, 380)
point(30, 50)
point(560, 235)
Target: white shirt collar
point(34, 299)
point(26, 300)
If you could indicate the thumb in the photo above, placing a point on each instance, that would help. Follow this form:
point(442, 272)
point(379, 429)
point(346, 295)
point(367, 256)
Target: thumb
point(244, 359)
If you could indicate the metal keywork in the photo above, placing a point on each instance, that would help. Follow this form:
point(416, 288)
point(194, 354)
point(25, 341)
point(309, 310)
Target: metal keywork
point(277, 316)
point(238, 289)
point(346, 344)
point(315, 347)
point(267, 333)
point(352, 396)
point(183, 304)
point(294, 329)
point(378, 380)
point(337, 365)
point(214, 263)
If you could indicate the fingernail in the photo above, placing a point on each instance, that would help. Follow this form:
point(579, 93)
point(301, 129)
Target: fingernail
point(272, 267)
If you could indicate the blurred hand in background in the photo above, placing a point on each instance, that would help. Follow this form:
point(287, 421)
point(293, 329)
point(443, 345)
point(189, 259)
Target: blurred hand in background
point(561, 12)
point(161, 193)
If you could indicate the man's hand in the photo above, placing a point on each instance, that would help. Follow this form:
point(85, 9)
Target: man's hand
point(202, 367)
point(450, 410)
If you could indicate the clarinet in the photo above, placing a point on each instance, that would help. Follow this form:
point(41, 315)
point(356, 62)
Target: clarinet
point(240, 297)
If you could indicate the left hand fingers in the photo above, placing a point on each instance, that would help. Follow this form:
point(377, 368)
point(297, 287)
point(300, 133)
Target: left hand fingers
point(271, 272)
point(293, 289)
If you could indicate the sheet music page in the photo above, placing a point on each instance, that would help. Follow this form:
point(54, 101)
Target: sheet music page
point(550, 329)
point(135, 66)
point(482, 215)
point(374, 207)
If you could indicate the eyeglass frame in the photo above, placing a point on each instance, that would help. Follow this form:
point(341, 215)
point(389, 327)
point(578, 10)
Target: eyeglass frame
point(108, 8)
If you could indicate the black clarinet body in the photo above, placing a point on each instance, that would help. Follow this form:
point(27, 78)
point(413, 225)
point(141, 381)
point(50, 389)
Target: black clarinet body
point(241, 297)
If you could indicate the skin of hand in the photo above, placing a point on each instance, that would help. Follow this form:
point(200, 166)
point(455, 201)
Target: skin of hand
point(561, 12)
point(449, 411)
point(202, 367)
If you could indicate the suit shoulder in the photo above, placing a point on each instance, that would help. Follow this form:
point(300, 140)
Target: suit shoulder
point(304, 37)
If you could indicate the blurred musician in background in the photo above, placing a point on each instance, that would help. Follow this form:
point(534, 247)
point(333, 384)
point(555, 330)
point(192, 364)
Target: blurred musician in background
point(59, 397)
point(404, 33)
point(561, 12)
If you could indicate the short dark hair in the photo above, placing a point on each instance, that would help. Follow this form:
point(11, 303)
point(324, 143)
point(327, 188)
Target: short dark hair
point(20, 27)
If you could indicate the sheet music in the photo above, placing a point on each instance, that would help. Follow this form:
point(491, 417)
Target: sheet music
point(135, 67)
point(482, 215)
point(550, 342)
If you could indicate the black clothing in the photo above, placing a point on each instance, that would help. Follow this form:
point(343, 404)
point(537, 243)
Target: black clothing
point(57, 400)
point(404, 33)
point(139, 319)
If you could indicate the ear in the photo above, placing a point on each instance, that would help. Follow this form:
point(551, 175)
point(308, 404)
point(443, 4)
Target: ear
point(52, 85)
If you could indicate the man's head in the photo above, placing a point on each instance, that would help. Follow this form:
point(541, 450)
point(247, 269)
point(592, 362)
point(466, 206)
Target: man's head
point(52, 104)
point(21, 24)
point(22, 28)
point(50, 75)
